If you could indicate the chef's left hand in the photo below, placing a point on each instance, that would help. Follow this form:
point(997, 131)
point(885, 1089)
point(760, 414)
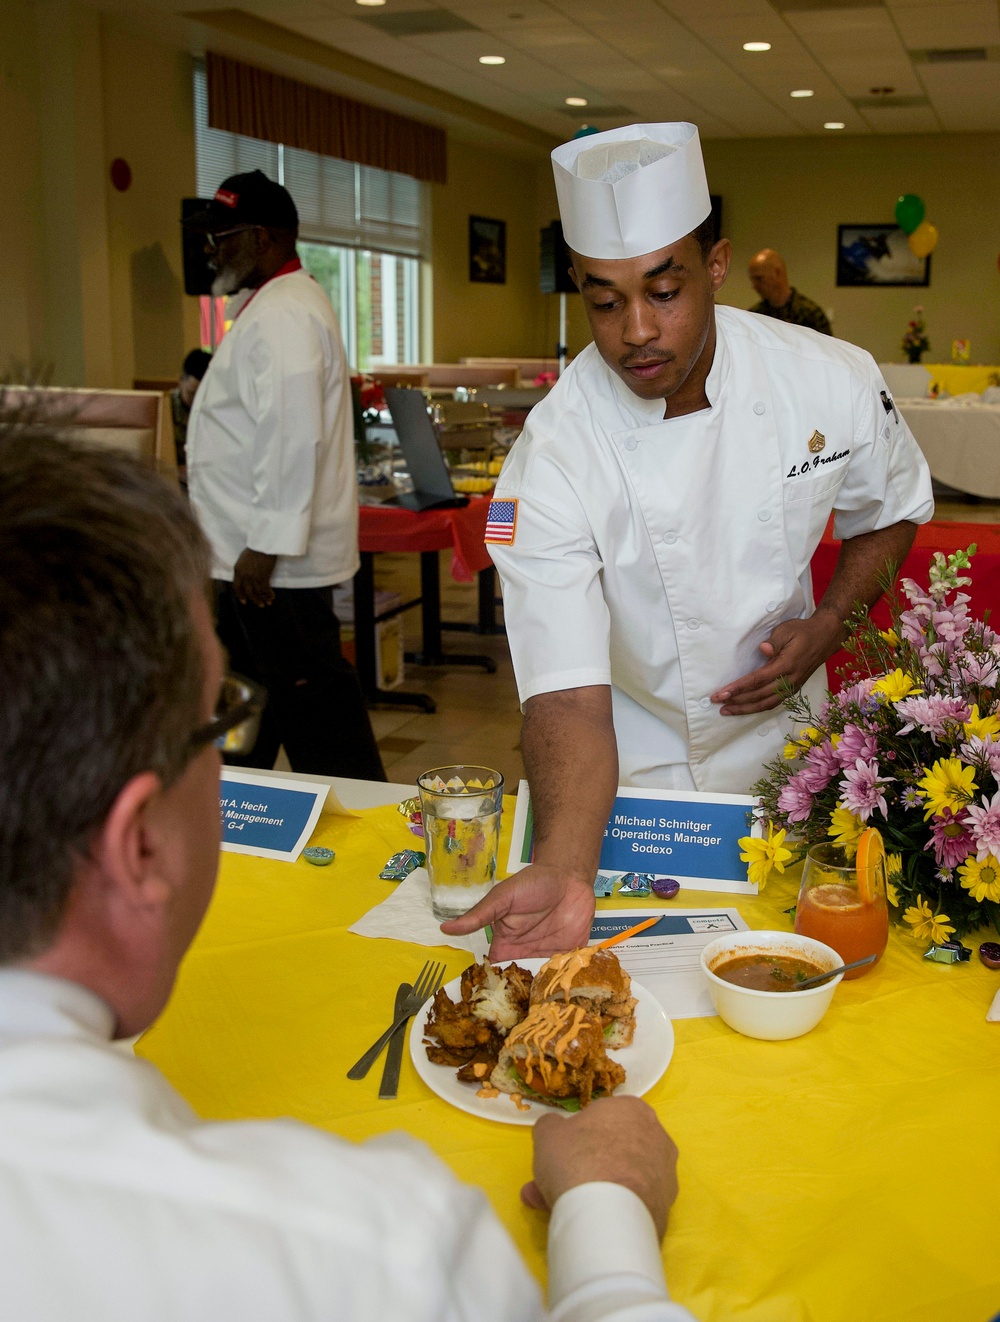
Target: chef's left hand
point(252, 578)
point(794, 650)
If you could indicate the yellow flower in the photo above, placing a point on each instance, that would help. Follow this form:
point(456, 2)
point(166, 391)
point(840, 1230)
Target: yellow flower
point(890, 636)
point(808, 736)
point(894, 873)
point(948, 784)
point(927, 925)
point(896, 686)
point(764, 856)
point(981, 880)
point(846, 829)
point(981, 727)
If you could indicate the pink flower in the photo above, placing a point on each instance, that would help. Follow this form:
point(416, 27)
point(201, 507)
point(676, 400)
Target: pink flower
point(932, 715)
point(856, 693)
point(855, 743)
point(950, 840)
point(984, 754)
point(795, 800)
point(821, 765)
point(863, 789)
point(979, 669)
point(950, 626)
point(985, 821)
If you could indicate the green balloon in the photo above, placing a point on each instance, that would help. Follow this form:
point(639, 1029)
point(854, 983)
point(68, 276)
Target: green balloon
point(910, 211)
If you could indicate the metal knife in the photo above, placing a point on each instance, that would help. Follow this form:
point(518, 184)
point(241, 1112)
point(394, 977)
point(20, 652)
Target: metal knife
point(389, 1086)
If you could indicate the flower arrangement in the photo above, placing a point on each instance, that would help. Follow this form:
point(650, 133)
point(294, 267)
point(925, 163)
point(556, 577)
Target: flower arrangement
point(912, 746)
point(915, 341)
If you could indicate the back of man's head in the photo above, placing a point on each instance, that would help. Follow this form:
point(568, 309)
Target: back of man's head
point(101, 672)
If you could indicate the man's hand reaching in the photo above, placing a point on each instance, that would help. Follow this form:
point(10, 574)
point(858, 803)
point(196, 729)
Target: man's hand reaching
point(794, 650)
point(536, 912)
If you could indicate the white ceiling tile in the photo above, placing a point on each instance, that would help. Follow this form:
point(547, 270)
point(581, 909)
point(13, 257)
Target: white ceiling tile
point(965, 96)
point(901, 119)
point(949, 25)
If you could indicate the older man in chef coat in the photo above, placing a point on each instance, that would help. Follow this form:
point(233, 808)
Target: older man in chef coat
point(654, 523)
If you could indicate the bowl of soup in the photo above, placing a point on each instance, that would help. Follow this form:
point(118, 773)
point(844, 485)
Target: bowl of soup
point(753, 980)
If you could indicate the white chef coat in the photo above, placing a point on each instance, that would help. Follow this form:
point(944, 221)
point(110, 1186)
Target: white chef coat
point(116, 1202)
point(656, 555)
point(270, 440)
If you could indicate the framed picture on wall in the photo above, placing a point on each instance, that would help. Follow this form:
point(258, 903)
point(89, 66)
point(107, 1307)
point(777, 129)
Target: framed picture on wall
point(878, 255)
point(487, 250)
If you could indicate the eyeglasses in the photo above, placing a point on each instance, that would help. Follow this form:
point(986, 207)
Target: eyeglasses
point(213, 239)
point(236, 723)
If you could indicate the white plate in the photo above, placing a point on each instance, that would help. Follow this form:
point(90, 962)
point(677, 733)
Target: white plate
point(645, 1061)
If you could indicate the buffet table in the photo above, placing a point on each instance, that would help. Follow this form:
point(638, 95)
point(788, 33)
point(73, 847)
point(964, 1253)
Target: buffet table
point(961, 442)
point(849, 1174)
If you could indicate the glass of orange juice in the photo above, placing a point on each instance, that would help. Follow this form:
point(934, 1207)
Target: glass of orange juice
point(842, 901)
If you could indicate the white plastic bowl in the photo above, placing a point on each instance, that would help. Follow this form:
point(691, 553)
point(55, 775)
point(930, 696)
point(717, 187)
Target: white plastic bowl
point(773, 1016)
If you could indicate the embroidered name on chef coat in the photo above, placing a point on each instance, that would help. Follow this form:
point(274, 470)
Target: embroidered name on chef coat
point(501, 522)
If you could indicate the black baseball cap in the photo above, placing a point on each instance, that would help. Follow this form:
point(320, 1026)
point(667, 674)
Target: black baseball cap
point(246, 199)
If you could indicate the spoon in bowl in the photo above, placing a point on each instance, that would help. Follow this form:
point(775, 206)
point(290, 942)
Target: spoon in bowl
point(844, 968)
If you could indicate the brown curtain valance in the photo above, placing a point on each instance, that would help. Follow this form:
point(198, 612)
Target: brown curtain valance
point(258, 104)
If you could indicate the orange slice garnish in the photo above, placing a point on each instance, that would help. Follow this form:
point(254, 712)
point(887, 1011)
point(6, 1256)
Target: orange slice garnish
point(870, 864)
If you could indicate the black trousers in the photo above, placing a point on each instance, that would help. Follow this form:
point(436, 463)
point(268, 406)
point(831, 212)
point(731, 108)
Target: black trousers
point(315, 706)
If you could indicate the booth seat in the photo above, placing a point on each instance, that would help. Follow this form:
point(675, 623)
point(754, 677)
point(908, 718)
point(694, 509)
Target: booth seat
point(138, 421)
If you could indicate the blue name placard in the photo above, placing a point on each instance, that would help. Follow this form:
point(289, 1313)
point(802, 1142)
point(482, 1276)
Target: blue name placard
point(683, 834)
point(268, 817)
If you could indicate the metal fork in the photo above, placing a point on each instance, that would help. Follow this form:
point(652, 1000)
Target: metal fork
point(429, 979)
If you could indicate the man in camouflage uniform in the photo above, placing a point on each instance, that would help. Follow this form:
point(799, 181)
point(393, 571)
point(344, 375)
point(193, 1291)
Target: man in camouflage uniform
point(777, 297)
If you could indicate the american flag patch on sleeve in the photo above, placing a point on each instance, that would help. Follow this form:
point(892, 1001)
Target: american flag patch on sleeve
point(501, 522)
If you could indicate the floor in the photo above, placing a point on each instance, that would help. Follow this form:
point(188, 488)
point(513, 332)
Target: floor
point(478, 718)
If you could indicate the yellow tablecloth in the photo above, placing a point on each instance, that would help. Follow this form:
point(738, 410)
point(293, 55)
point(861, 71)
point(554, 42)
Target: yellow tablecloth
point(852, 1175)
point(959, 380)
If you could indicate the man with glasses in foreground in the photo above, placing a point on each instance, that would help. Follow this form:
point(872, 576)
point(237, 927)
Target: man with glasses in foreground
point(272, 478)
point(115, 1200)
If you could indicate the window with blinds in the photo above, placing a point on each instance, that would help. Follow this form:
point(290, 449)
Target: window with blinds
point(340, 202)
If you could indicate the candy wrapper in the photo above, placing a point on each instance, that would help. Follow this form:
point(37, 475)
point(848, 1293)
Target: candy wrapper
point(635, 883)
point(989, 953)
point(949, 952)
point(410, 809)
point(603, 886)
point(318, 855)
point(665, 887)
point(399, 867)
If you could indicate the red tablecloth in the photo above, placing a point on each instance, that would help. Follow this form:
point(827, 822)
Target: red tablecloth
point(931, 537)
point(389, 528)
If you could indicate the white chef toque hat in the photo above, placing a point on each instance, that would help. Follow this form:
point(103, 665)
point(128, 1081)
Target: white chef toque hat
point(632, 190)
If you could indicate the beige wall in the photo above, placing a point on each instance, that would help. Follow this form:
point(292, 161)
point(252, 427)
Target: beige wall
point(477, 320)
point(91, 278)
point(791, 194)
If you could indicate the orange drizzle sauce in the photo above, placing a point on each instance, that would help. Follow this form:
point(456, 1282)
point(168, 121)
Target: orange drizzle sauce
point(546, 1022)
point(567, 965)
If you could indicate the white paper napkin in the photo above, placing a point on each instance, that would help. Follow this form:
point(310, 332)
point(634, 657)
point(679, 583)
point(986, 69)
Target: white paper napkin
point(407, 916)
point(993, 1013)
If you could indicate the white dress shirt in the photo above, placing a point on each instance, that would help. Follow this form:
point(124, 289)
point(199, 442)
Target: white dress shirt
point(117, 1202)
point(270, 440)
point(656, 555)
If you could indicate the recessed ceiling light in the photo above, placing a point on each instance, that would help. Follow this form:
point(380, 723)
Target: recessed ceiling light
point(756, 45)
point(576, 100)
point(492, 59)
point(802, 91)
point(833, 124)
point(369, 4)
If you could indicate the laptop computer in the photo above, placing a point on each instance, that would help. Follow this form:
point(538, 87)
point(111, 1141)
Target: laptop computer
point(432, 488)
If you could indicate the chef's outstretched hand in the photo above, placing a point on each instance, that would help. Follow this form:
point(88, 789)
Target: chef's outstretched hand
point(536, 912)
point(794, 650)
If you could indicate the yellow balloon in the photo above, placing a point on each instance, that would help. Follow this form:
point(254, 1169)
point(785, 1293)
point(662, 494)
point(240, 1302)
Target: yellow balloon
point(924, 239)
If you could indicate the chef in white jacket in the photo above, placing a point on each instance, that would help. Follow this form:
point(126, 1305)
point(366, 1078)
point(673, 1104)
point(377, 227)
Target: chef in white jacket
point(654, 523)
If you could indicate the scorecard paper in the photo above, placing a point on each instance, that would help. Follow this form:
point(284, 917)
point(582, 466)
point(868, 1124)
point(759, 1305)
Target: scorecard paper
point(666, 957)
point(683, 834)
